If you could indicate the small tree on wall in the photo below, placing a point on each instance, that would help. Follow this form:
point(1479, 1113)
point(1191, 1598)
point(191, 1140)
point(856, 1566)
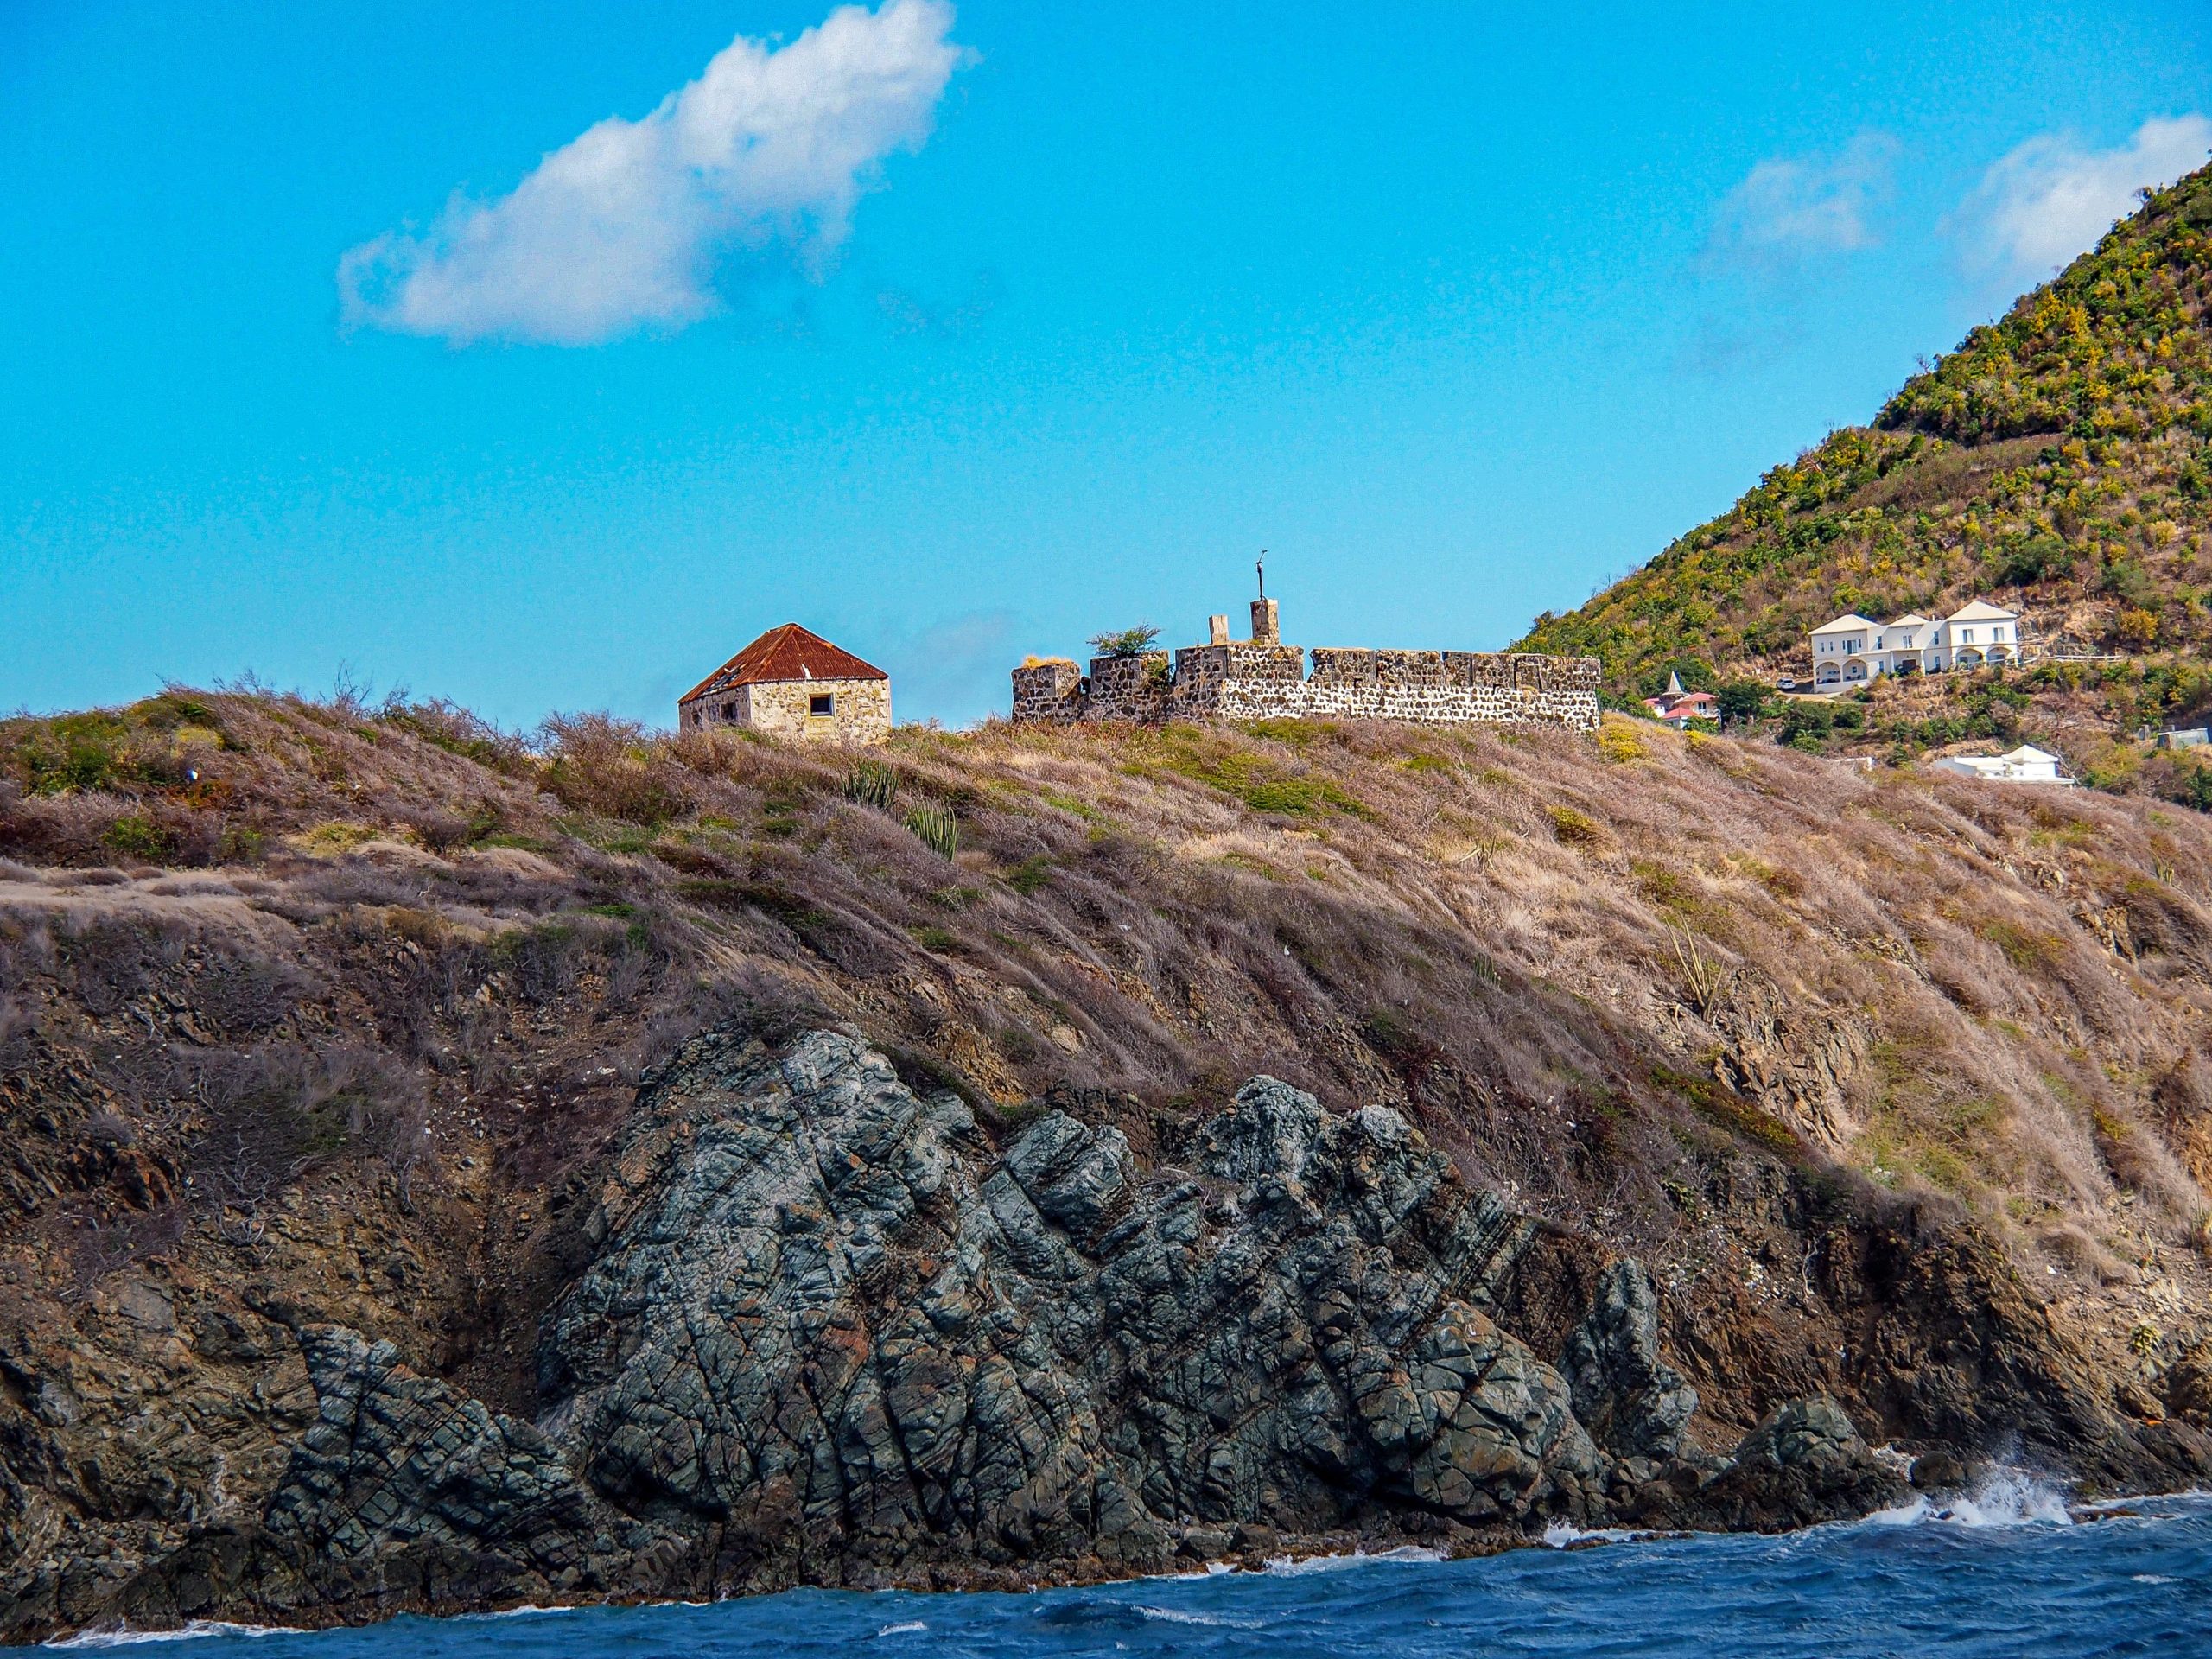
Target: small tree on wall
point(1125, 642)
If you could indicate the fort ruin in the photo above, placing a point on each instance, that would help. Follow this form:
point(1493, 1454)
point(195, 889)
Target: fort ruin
point(1261, 678)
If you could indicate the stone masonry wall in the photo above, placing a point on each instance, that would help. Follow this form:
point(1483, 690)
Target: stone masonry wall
point(1203, 673)
point(1049, 691)
point(1128, 688)
point(1251, 681)
point(863, 710)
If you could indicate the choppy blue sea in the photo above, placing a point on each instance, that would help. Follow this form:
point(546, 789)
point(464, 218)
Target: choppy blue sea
point(2010, 1576)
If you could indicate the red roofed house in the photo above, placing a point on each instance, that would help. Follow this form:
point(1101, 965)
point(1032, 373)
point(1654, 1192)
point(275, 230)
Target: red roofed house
point(1677, 706)
point(792, 683)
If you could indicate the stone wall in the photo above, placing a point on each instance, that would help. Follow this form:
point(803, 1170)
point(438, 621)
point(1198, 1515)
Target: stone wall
point(1254, 681)
point(1128, 688)
point(860, 710)
point(1203, 673)
point(1049, 691)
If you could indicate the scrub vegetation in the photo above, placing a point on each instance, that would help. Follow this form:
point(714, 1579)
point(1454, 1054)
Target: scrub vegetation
point(253, 942)
point(2059, 461)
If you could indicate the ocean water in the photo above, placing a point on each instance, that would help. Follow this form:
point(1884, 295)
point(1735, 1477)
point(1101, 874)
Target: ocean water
point(2008, 1573)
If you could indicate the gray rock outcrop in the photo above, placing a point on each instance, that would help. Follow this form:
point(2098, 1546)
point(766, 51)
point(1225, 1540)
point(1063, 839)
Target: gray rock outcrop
point(395, 1461)
point(1635, 1404)
point(826, 1333)
point(826, 1320)
point(1805, 1463)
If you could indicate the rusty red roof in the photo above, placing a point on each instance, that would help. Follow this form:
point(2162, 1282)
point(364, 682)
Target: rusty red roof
point(786, 653)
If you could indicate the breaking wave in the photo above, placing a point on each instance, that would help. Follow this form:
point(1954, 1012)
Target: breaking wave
point(1291, 1566)
point(194, 1630)
point(1971, 1574)
point(1561, 1535)
point(2003, 1497)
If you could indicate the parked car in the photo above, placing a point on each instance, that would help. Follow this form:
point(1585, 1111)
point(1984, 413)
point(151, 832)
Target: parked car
point(1785, 684)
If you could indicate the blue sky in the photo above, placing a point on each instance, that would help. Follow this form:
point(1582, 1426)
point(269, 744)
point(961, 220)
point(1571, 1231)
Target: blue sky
point(957, 334)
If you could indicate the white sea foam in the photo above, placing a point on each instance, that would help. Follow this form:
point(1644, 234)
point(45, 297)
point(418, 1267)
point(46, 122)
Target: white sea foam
point(125, 1636)
point(530, 1608)
point(2148, 1577)
point(1288, 1567)
point(2004, 1497)
point(1560, 1534)
point(1177, 1615)
point(904, 1627)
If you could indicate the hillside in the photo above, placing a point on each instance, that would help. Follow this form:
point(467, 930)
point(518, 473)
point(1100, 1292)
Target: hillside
point(325, 1156)
point(2060, 461)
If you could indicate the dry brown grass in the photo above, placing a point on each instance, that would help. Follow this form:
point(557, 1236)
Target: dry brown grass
point(1551, 956)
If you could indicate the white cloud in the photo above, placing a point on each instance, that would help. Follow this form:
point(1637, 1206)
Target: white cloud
point(1792, 209)
point(2050, 199)
point(632, 224)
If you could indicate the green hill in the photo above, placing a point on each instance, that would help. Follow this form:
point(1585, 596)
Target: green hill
point(2056, 462)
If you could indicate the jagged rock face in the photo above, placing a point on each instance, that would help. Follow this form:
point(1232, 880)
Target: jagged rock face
point(1795, 1064)
point(397, 1458)
point(827, 1319)
point(827, 1332)
point(1637, 1405)
point(1805, 1463)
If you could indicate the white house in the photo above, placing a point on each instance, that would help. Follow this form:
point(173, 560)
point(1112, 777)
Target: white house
point(2026, 765)
point(1978, 635)
point(1852, 650)
point(1843, 650)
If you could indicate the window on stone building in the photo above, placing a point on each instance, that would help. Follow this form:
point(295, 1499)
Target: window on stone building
point(822, 702)
point(729, 711)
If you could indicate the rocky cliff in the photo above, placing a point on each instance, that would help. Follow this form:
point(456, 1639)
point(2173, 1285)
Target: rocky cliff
point(828, 1333)
point(445, 1176)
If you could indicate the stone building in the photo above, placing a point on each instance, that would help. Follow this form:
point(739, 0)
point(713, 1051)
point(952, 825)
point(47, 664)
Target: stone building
point(1264, 679)
point(793, 683)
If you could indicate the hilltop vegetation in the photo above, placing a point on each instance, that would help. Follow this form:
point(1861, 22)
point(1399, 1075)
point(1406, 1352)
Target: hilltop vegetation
point(2060, 461)
point(320, 1014)
point(1586, 968)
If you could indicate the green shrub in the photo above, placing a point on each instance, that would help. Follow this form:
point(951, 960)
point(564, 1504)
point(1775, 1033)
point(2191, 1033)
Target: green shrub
point(1296, 732)
point(1576, 829)
point(2026, 949)
point(2040, 558)
point(139, 838)
point(872, 783)
point(1261, 781)
point(1740, 702)
point(2126, 581)
point(145, 746)
point(1126, 642)
point(1807, 726)
point(1725, 1109)
point(1032, 873)
point(938, 828)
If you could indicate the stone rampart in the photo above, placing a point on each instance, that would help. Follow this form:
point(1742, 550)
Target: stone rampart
point(1048, 690)
point(1251, 680)
point(1128, 688)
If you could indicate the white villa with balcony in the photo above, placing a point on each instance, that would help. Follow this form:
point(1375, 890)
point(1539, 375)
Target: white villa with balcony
point(1852, 651)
